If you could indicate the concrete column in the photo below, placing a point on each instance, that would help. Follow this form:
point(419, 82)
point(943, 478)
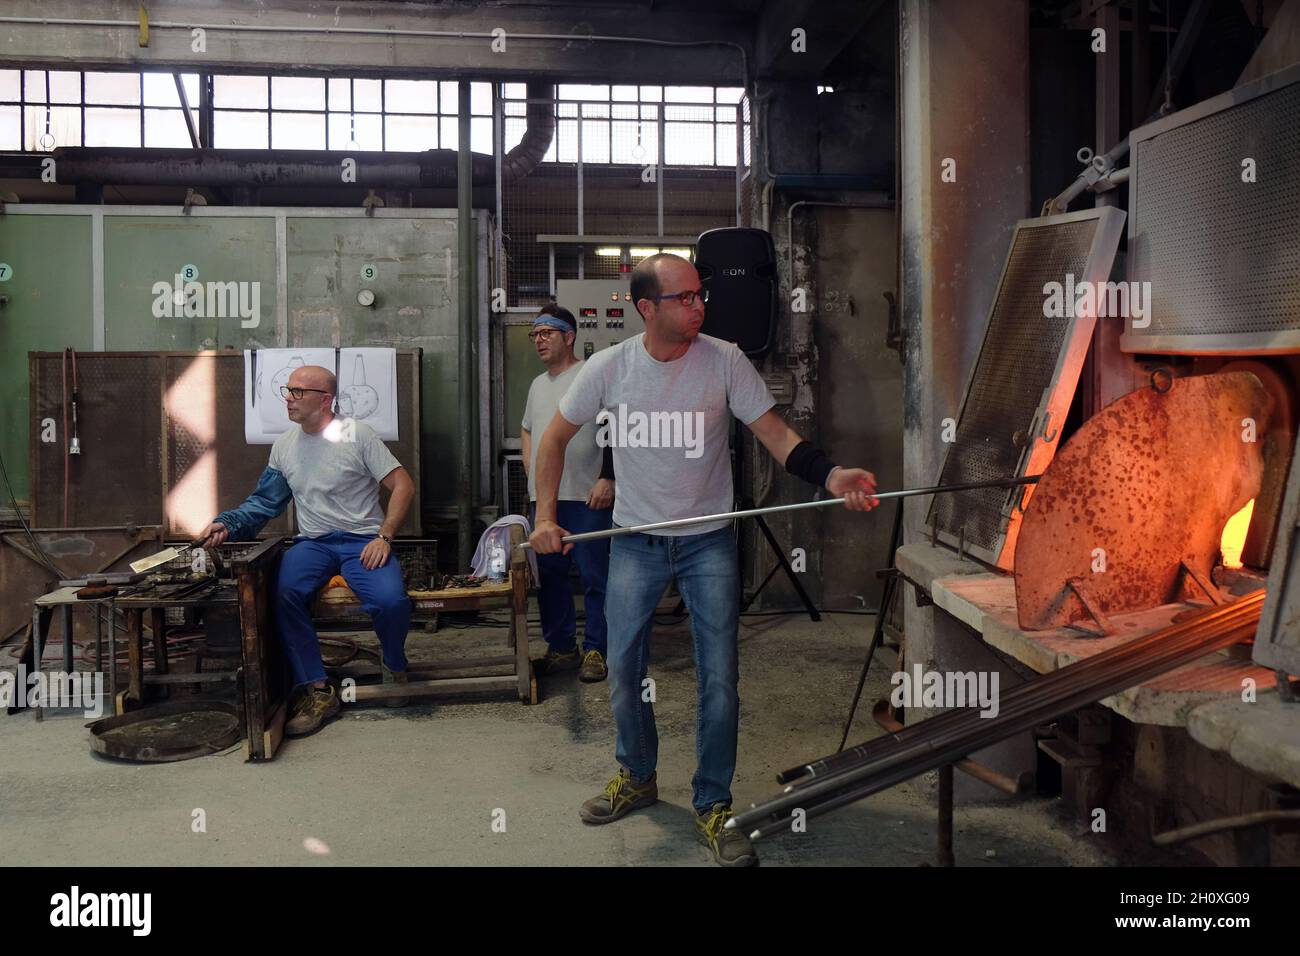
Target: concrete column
point(965, 111)
point(965, 98)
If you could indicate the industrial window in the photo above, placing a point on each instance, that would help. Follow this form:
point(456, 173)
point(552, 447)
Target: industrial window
point(611, 124)
point(43, 109)
point(300, 112)
point(622, 124)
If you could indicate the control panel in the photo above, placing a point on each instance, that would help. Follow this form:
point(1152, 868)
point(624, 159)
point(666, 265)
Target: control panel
point(604, 310)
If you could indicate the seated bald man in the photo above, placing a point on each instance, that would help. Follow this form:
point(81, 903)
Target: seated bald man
point(333, 474)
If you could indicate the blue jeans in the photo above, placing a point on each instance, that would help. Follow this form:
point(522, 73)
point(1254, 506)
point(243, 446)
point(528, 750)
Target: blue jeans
point(555, 597)
point(306, 567)
point(707, 573)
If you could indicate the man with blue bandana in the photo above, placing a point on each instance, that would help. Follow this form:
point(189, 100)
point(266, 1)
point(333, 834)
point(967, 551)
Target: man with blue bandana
point(586, 496)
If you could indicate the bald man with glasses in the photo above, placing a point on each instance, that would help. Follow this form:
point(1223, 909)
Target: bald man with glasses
point(332, 472)
point(668, 397)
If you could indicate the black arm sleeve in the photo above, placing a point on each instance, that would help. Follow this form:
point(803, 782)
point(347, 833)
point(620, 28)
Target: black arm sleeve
point(607, 463)
point(810, 463)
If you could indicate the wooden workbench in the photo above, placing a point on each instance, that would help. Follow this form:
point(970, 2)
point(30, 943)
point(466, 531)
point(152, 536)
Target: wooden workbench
point(511, 672)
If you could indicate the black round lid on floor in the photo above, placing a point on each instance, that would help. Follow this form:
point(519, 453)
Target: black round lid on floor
point(165, 732)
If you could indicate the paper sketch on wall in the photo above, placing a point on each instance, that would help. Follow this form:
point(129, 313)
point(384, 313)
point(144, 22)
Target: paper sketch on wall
point(265, 414)
point(274, 366)
point(368, 388)
point(358, 400)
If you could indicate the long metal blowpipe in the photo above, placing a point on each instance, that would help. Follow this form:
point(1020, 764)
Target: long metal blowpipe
point(775, 509)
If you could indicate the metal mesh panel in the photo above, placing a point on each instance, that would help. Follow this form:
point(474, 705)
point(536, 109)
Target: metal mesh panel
point(205, 431)
point(1220, 253)
point(120, 476)
point(1016, 363)
point(116, 478)
point(516, 486)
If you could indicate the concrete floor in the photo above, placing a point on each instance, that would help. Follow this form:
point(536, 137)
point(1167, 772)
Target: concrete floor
point(419, 785)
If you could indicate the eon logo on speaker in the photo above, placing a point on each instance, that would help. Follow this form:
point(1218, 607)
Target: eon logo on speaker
point(733, 272)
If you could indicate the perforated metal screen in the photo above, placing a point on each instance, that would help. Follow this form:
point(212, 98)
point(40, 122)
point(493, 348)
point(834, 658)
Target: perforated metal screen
point(1214, 215)
point(1025, 375)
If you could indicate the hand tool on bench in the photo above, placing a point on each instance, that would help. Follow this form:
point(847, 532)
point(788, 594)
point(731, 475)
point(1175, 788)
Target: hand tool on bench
point(775, 509)
point(162, 557)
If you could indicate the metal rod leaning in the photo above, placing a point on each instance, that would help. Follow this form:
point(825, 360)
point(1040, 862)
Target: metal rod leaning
point(775, 509)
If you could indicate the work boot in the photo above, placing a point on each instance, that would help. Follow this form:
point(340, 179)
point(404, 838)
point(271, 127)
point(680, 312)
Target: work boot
point(313, 709)
point(729, 847)
point(394, 677)
point(621, 796)
point(593, 668)
point(556, 661)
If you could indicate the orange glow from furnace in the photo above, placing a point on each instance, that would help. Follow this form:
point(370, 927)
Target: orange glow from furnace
point(1234, 535)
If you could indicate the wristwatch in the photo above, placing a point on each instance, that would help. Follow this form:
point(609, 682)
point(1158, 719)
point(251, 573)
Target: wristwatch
point(383, 537)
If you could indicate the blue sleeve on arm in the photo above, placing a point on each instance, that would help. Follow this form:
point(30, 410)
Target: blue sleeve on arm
point(268, 500)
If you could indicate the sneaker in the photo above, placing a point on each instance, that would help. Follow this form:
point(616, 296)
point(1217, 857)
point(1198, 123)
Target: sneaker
point(729, 847)
point(620, 797)
point(394, 677)
point(556, 661)
point(593, 668)
point(313, 709)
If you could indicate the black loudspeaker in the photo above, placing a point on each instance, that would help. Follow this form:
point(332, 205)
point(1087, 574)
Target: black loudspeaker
point(738, 268)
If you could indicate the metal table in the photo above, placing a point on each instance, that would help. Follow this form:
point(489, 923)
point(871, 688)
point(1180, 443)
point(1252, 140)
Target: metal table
point(65, 600)
point(261, 681)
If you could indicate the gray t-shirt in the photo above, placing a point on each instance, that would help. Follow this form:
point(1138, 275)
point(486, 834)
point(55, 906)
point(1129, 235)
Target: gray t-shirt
point(582, 457)
point(669, 426)
point(335, 479)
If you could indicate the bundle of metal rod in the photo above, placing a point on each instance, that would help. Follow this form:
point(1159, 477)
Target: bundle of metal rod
point(844, 778)
point(1045, 687)
point(799, 506)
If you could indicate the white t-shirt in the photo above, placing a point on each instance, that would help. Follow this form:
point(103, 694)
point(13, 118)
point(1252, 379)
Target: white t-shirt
point(335, 483)
point(582, 459)
point(669, 424)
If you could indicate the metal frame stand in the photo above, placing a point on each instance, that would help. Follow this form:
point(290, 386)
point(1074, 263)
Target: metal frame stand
point(744, 503)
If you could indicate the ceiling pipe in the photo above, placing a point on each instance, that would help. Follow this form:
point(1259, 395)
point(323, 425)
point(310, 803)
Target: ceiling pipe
point(432, 169)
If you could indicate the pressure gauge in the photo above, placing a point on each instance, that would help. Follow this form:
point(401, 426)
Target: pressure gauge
point(366, 298)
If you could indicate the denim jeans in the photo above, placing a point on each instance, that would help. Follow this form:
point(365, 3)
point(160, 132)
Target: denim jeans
point(305, 568)
point(555, 596)
point(707, 573)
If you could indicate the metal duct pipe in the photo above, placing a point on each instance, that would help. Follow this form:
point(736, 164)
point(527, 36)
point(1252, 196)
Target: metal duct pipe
point(432, 169)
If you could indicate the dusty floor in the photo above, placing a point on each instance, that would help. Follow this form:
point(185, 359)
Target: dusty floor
point(420, 785)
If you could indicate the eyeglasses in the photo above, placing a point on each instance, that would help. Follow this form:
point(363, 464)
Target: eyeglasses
point(297, 393)
point(686, 298)
point(543, 334)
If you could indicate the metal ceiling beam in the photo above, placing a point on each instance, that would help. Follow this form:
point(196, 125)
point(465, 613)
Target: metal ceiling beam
point(377, 39)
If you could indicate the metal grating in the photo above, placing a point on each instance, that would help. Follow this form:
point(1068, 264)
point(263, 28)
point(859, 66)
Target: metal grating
point(1024, 378)
point(516, 485)
point(162, 439)
point(116, 480)
point(209, 465)
point(1220, 253)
